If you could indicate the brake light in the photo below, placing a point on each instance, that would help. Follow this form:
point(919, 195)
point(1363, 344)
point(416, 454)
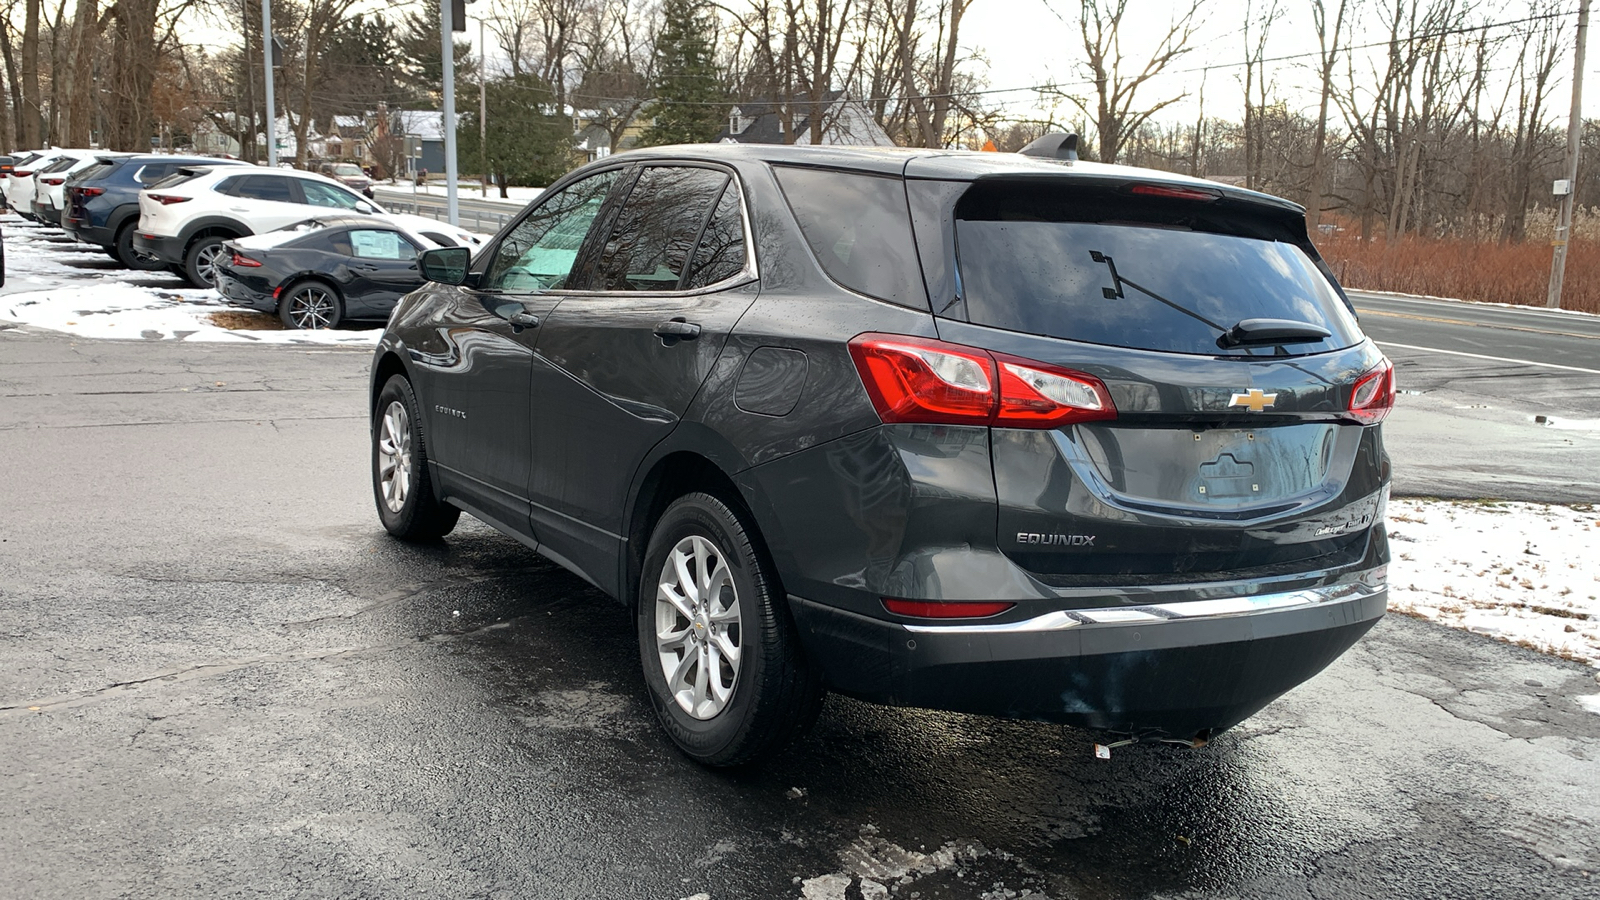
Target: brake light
point(21, 173)
point(240, 259)
point(1373, 395)
point(168, 199)
point(90, 192)
point(920, 380)
point(924, 609)
point(1175, 193)
point(53, 181)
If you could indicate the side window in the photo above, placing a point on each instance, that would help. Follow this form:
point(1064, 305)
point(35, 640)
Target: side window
point(720, 255)
point(319, 194)
point(155, 172)
point(540, 251)
point(859, 227)
point(266, 187)
point(374, 243)
point(228, 186)
point(648, 249)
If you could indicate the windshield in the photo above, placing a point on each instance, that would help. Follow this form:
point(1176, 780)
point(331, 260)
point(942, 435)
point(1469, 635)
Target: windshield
point(1150, 286)
point(347, 170)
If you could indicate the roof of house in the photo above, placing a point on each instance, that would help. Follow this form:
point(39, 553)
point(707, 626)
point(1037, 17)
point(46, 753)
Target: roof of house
point(765, 122)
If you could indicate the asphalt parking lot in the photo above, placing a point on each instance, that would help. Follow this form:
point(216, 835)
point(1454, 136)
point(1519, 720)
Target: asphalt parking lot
point(222, 679)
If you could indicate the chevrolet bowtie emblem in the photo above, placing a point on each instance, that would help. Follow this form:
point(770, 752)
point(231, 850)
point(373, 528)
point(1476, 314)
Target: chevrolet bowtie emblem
point(1255, 401)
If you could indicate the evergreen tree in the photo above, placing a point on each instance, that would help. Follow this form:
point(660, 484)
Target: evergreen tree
point(691, 104)
point(529, 140)
point(420, 52)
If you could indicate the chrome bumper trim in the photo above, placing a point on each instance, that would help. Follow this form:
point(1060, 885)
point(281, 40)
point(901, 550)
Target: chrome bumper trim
point(1062, 620)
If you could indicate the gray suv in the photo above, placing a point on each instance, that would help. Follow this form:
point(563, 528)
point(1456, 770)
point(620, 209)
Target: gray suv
point(1004, 434)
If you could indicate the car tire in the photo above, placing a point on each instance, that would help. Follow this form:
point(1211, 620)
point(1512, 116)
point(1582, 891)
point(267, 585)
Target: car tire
point(122, 251)
point(200, 260)
point(401, 482)
point(311, 304)
point(721, 708)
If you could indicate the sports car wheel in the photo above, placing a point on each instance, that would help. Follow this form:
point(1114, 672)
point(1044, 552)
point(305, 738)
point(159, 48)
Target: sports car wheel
point(311, 305)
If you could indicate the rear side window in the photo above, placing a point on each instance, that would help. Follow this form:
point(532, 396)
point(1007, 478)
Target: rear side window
point(265, 187)
point(154, 172)
point(648, 248)
point(319, 194)
point(859, 227)
point(1126, 273)
point(720, 255)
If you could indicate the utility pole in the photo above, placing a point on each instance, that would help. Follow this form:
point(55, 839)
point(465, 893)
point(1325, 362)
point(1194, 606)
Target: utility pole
point(483, 109)
point(1558, 258)
point(447, 29)
point(267, 61)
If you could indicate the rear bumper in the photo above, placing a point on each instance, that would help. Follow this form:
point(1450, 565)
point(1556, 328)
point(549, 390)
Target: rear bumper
point(1176, 670)
point(241, 292)
point(166, 249)
point(81, 230)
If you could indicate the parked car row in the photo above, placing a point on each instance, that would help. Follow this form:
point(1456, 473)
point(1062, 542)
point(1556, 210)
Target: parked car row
point(179, 213)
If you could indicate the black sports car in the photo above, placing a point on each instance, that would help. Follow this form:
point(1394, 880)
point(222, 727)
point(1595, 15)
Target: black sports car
point(317, 273)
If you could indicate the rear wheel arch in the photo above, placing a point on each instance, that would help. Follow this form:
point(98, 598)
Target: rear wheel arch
point(663, 480)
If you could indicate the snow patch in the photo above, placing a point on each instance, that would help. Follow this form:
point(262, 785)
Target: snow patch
point(1591, 702)
point(877, 866)
point(1521, 572)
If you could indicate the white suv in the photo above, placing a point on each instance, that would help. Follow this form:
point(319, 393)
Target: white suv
point(184, 218)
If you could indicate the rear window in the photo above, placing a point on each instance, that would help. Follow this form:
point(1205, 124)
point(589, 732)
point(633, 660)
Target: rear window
point(859, 227)
point(1130, 272)
point(182, 176)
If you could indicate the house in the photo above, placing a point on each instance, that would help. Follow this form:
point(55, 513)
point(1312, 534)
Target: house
point(849, 123)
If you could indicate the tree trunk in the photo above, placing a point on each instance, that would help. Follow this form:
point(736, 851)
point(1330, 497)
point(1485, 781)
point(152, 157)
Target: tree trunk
point(79, 129)
point(30, 119)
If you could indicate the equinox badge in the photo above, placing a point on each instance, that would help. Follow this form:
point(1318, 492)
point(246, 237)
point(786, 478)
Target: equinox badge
point(1255, 400)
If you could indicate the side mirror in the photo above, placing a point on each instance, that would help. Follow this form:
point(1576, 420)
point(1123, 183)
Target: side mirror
point(445, 265)
point(363, 206)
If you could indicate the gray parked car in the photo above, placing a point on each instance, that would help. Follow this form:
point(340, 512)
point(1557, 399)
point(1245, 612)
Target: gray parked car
point(1005, 434)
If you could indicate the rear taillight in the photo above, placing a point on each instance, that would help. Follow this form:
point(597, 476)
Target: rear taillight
point(21, 173)
point(1373, 395)
point(240, 259)
point(913, 379)
point(53, 181)
point(168, 199)
point(89, 192)
point(924, 609)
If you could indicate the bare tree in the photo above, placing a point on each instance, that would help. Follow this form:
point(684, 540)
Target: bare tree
point(1115, 107)
point(1328, 38)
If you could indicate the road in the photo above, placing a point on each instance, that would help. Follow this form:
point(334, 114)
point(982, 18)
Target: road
point(1475, 379)
point(222, 679)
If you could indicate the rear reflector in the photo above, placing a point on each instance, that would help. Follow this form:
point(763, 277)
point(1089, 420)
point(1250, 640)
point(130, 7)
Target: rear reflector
point(911, 379)
point(1373, 395)
point(925, 609)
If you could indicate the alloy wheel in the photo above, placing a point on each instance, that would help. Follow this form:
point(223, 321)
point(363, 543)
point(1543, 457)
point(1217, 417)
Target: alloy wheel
point(312, 307)
point(205, 262)
point(698, 638)
point(394, 456)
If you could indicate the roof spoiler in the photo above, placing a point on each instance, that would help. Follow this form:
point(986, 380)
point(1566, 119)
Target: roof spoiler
point(1055, 145)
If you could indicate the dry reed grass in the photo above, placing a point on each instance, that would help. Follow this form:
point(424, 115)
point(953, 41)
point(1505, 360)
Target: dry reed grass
point(1480, 270)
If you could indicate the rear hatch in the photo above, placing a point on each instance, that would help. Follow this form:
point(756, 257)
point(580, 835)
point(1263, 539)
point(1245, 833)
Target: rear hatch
point(1232, 360)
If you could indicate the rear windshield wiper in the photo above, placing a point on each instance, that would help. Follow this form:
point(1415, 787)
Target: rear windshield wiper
point(1271, 332)
point(1117, 294)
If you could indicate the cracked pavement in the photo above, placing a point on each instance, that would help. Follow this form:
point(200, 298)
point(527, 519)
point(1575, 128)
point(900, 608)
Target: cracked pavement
point(245, 688)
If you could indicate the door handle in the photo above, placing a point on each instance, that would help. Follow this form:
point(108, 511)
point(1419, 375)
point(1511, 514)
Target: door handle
point(524, 319)
point(677, 328)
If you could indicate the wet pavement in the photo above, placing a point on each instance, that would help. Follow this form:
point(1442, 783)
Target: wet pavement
point(220, 678)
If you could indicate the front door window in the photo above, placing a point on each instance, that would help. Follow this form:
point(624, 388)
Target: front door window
point(539, 253)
